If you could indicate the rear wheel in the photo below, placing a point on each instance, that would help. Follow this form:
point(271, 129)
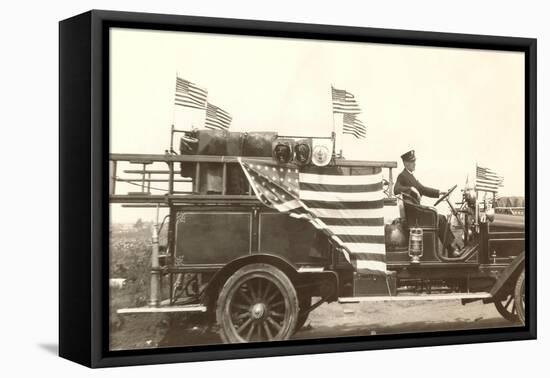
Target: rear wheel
point(519, 297)
point(257, 303)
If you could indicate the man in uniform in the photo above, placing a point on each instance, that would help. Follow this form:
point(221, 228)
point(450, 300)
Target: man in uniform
point(412, 191)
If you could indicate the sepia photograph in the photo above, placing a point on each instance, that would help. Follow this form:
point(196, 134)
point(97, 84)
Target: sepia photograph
point(266, 189)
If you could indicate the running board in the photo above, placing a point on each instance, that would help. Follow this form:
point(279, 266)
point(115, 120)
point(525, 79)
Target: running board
point(425, 297)
point(162, 309)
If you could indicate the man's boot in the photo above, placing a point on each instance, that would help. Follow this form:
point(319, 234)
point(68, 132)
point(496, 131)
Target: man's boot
point(455, 249)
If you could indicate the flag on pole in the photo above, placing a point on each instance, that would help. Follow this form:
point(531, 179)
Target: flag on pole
point(487, 180)
point(190, 95)
point(344, 102)
point(349, 209)
point(354, 126)
point(217, 118)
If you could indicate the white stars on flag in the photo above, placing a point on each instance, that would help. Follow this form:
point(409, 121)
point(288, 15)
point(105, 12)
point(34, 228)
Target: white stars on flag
point(274, 185)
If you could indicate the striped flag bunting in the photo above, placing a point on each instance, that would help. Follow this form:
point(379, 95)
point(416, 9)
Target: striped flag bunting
point(349, 209)
point(354, 126)
point(487, 180)
point(344, 102)
point(217, 118)
point(190, 95)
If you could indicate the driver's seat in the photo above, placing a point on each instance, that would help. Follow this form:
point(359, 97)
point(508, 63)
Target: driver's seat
point(420, 215)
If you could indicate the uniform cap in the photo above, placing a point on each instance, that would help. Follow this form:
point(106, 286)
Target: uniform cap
point(408, 156)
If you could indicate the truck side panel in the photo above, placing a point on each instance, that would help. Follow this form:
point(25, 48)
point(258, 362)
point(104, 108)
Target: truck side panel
point(216, 236)
point(212, 237)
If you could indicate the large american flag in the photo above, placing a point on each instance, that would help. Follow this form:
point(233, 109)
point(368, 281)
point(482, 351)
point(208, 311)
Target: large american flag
point(344, 102)
point(487, 180)
point(217, 118)
point(349, 208)
point(190, 95)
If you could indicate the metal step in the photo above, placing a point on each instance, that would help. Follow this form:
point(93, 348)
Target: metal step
point(423, 297)
point(162, 309)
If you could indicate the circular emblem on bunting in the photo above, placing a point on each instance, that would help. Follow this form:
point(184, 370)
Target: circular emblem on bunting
point(321, 155)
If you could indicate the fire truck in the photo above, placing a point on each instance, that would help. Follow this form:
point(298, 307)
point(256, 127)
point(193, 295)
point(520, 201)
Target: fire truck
point(257, 273)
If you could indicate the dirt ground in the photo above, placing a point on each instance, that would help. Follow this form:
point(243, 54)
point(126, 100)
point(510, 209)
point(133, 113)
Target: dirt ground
point(329, 320)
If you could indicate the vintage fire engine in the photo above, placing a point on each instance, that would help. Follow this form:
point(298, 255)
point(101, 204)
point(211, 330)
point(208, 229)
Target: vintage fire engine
point(258, 272)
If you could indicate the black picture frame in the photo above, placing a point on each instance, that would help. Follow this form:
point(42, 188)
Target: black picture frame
point(84, 200)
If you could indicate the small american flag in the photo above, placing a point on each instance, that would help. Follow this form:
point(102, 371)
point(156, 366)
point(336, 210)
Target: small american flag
point(487, 180)
point(347, 208)
point(344, 102)
point(354, 126)
point(190, 95)
point(217, 118)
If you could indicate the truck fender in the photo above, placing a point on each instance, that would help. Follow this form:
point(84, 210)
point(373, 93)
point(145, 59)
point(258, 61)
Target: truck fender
point(214, 286)
point(507, 277)
point(211, 292)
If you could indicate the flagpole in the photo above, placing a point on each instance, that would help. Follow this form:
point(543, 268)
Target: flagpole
point(332, 109)
point(173, 117)
point(205, 113)
point(334, 133)
point(339, 134)
point(476, 211)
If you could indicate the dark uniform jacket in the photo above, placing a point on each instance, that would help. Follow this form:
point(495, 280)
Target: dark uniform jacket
point(405, 181)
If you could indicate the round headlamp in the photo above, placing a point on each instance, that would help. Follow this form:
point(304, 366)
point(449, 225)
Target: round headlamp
point(302, 153)
point(490, 214)
point(282, 152)
point(470, 196)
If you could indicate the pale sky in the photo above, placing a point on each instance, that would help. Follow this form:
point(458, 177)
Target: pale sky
point(455, 107)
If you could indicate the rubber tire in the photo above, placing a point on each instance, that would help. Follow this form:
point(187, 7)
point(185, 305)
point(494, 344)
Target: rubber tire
point(282, 282)
point(519, 292)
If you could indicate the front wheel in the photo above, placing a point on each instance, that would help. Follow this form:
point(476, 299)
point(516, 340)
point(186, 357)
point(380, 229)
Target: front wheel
point(507, 308)
point(519, 297)
point(257, 303)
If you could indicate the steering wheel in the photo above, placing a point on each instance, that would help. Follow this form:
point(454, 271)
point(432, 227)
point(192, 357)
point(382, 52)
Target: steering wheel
point(445, 196)
point(189, 139)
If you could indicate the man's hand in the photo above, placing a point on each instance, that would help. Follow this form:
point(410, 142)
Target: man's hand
point(415, 192)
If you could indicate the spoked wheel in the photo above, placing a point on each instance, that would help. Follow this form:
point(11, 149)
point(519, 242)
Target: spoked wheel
point(257, 303)
point(507, 308)
point(519, 297)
